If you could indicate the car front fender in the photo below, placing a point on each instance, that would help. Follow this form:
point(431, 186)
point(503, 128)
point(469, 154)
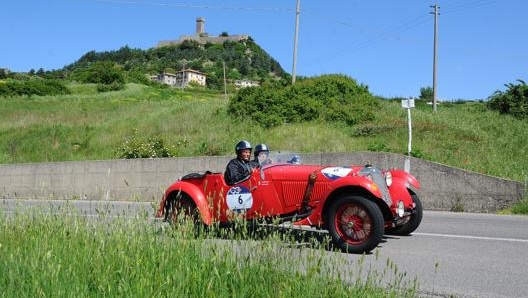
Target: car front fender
point(405, 178)
point(358, 181)
point(359, 184)
point(401, 183)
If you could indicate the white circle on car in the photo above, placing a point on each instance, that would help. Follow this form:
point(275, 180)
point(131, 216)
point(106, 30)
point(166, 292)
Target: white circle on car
point(334, 173)
point(239, 199)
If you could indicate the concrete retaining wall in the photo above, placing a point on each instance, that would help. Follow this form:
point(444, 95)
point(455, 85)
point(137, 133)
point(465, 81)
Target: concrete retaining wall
point(443, 187)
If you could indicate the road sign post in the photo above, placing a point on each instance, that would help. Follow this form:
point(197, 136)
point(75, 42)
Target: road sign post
point(408, 104)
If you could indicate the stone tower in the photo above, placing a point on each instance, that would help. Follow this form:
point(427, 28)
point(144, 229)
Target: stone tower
point(200, 26)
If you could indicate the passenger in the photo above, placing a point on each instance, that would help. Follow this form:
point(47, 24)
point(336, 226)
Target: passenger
point(239, 169)
point(295, 160)
point(261, 150)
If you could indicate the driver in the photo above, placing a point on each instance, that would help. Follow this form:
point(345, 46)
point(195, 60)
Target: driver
point(238, 169)
point(261, 150)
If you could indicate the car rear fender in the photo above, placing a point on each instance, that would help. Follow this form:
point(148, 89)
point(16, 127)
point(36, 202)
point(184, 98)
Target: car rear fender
point(192, 191)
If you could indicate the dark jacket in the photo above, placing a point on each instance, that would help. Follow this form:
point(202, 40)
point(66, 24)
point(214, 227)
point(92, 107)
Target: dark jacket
point(237, 170)
point(254, 164)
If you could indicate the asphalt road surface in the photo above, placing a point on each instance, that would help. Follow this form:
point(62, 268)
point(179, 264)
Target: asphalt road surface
point(450, 254)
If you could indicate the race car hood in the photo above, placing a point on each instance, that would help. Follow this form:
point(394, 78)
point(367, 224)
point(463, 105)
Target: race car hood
point(301, 172)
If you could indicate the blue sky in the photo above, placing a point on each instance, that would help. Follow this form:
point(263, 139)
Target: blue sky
point(387, 45)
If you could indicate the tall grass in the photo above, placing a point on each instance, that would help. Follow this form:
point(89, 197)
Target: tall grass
point(60, 255)
point(87, 125)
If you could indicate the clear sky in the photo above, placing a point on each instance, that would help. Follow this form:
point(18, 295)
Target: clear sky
point(385, 44)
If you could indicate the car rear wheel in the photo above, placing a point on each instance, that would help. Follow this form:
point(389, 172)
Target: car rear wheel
point(183, 208)
point(355, 224)
point(413, 221)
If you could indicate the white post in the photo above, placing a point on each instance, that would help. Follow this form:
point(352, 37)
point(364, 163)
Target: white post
point(408, 104)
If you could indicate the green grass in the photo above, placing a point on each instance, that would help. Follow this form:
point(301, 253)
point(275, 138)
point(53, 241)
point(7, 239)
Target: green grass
point(520, 207)
point(44, 255)
point(87, 125)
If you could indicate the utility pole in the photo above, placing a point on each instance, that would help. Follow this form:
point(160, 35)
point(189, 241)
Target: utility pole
point(297, 13)
point(225, 81)
point(436, 7)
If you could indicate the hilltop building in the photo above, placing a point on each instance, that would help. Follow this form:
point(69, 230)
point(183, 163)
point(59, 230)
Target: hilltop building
point(181, 79)
point(246, 83)
point(202, 37)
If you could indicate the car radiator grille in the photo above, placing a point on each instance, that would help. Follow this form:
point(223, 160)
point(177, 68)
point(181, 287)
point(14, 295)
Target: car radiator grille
point(380, 181)
point(293, 192)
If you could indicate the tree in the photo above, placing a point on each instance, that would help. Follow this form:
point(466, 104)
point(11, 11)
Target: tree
point(4, 72)
point(426, 93)
point(105, 72)
point(513, 101)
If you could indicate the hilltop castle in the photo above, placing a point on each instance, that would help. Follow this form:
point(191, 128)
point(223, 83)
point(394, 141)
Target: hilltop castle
point(202, 37)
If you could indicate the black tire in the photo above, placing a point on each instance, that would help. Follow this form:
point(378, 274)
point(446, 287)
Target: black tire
point(183, 208)
point(414, 221)
point(355, 224)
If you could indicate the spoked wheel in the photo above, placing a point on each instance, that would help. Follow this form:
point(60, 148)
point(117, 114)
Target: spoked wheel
point(355, 224)
point(413, 221)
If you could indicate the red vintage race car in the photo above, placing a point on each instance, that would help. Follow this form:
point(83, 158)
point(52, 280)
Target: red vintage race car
point(356, 204)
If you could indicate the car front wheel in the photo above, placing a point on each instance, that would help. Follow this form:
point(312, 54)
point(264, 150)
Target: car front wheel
point(355, 224)
point(414, 220)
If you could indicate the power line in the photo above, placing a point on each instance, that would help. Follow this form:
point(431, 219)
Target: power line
point(377, 35)
point(463, 5)
point(190, 6)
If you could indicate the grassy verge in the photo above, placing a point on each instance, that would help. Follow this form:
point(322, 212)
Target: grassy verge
point(520, 207)
point(87, 125)
point(43, 255)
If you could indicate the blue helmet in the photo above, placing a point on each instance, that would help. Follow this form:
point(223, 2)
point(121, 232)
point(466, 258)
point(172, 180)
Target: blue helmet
point(259, 148)
point(242, 145)
point(296, 159)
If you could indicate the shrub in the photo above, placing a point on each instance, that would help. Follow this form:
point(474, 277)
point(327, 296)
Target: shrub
point(328, 98)
point(107, 75)
point(136, 147)
point(32, 86)
point(513, 101)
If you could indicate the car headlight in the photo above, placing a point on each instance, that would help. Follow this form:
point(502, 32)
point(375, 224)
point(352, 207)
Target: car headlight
point(388, 178)
point(400, 210)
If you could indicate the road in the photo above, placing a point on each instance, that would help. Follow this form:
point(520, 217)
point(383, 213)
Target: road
point(462, 255)
point(465, 254)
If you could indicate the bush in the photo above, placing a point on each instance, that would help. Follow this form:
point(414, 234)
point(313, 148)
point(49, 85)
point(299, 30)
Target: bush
point(136, 147)
point(329, 98)
point(32, 86)
point(514, 101)
point(107, 75)
point(520, 207)
point(115, 86)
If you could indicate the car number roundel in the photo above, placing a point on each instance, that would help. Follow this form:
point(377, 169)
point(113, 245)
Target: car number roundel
point(334, 173)
point(239, 199)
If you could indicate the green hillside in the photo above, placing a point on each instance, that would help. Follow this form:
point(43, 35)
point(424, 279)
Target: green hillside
point(104, 106)
point(147, 120)
point(230, 60)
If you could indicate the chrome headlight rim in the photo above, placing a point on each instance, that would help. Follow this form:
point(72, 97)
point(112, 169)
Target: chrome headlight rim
point(388, 178)
point(400, 209)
